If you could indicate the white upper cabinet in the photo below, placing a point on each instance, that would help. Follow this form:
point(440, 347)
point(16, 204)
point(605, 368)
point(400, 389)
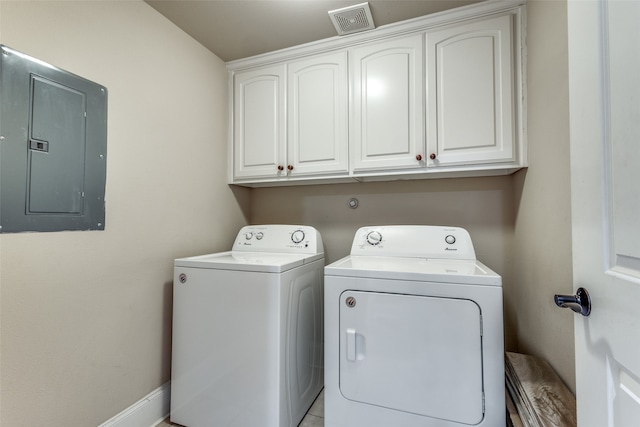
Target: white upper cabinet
point(437, 96)
point(318, 115)
point(290, 120)
point(259, 123)
point(470, 98)
point(388, 92)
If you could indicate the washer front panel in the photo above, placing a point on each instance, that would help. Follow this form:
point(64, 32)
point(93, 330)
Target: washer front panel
point(247, 346)
point(417, 354)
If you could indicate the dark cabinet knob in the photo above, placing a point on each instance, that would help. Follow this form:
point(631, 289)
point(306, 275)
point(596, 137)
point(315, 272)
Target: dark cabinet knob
point(432, 156)
point(419, 157)
point(290, 167)
point(280, 168)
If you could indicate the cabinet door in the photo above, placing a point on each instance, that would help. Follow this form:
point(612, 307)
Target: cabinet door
point(387, 81)
point(470, 115)
point(317, 115)
point(259, 122)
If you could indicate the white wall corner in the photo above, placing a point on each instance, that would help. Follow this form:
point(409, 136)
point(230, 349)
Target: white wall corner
point(150, 411)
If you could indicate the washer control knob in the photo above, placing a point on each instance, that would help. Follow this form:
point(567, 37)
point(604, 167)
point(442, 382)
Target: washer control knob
point(248, 235)
point(297, 236)
point(259, 235)
point(374, 238)
point(450, 239)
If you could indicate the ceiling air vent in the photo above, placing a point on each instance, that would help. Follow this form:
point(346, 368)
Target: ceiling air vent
point(352, 19)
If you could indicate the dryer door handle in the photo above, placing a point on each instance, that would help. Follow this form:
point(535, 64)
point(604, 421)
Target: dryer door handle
point(351, 345)
point(354, 345)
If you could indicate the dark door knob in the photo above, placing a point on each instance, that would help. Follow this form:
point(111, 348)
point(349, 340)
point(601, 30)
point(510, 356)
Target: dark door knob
point(580, 302)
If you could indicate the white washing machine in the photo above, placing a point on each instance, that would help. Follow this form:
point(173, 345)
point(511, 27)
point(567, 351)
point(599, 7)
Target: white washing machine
point(413, 332)
point(247, 330)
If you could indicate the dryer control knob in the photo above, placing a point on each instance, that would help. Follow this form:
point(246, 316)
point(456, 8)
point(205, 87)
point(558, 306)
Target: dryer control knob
point(297, 236)
point(450, 239)
point(374, 238)
point(248, 235)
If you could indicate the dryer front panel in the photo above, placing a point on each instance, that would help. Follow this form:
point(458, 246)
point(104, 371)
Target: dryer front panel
point(417, 354)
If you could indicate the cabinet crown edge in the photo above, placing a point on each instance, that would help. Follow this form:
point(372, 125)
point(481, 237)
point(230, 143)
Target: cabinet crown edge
point(414, 25)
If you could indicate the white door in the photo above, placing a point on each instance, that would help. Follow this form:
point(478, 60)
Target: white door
point(317, 111)
point(396, 354)
point(604, 82)
point(470, 114)
point(388, 93)
point(259, 123)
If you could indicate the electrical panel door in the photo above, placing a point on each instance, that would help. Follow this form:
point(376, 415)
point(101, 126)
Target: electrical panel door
point(53, 129)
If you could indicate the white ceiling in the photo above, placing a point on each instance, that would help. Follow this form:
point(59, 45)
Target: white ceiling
point(234, 29)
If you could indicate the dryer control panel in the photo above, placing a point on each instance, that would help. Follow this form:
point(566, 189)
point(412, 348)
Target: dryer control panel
point(280, 238)
point(414, 241)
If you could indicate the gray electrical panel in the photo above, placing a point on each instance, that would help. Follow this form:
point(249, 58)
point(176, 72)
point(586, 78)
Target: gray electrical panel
point(53, 147)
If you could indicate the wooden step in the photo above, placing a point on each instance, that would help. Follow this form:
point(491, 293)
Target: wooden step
point(539, 395)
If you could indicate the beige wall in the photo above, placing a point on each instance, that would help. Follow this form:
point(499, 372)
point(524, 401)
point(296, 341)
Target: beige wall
point(86, 316)
point(543, 220)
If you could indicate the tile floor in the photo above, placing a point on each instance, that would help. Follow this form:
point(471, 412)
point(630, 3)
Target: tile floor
point(314, 418)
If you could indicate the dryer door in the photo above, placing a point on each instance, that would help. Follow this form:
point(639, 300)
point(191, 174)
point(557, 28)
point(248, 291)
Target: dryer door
point(416, 354)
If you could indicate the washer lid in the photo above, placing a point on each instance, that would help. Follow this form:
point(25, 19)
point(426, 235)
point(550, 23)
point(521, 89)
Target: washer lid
point(415, 269)
point(265, 262)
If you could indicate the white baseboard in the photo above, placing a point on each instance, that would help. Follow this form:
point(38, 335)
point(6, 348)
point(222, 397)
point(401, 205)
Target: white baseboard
point(148, 411)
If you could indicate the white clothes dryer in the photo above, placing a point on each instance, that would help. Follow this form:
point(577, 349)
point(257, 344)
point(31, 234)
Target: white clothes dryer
point(413, 332)
point(247, 330)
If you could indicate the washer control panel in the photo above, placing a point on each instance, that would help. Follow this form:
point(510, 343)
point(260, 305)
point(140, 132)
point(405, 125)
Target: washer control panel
point(279, 238)
point(419, 241)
